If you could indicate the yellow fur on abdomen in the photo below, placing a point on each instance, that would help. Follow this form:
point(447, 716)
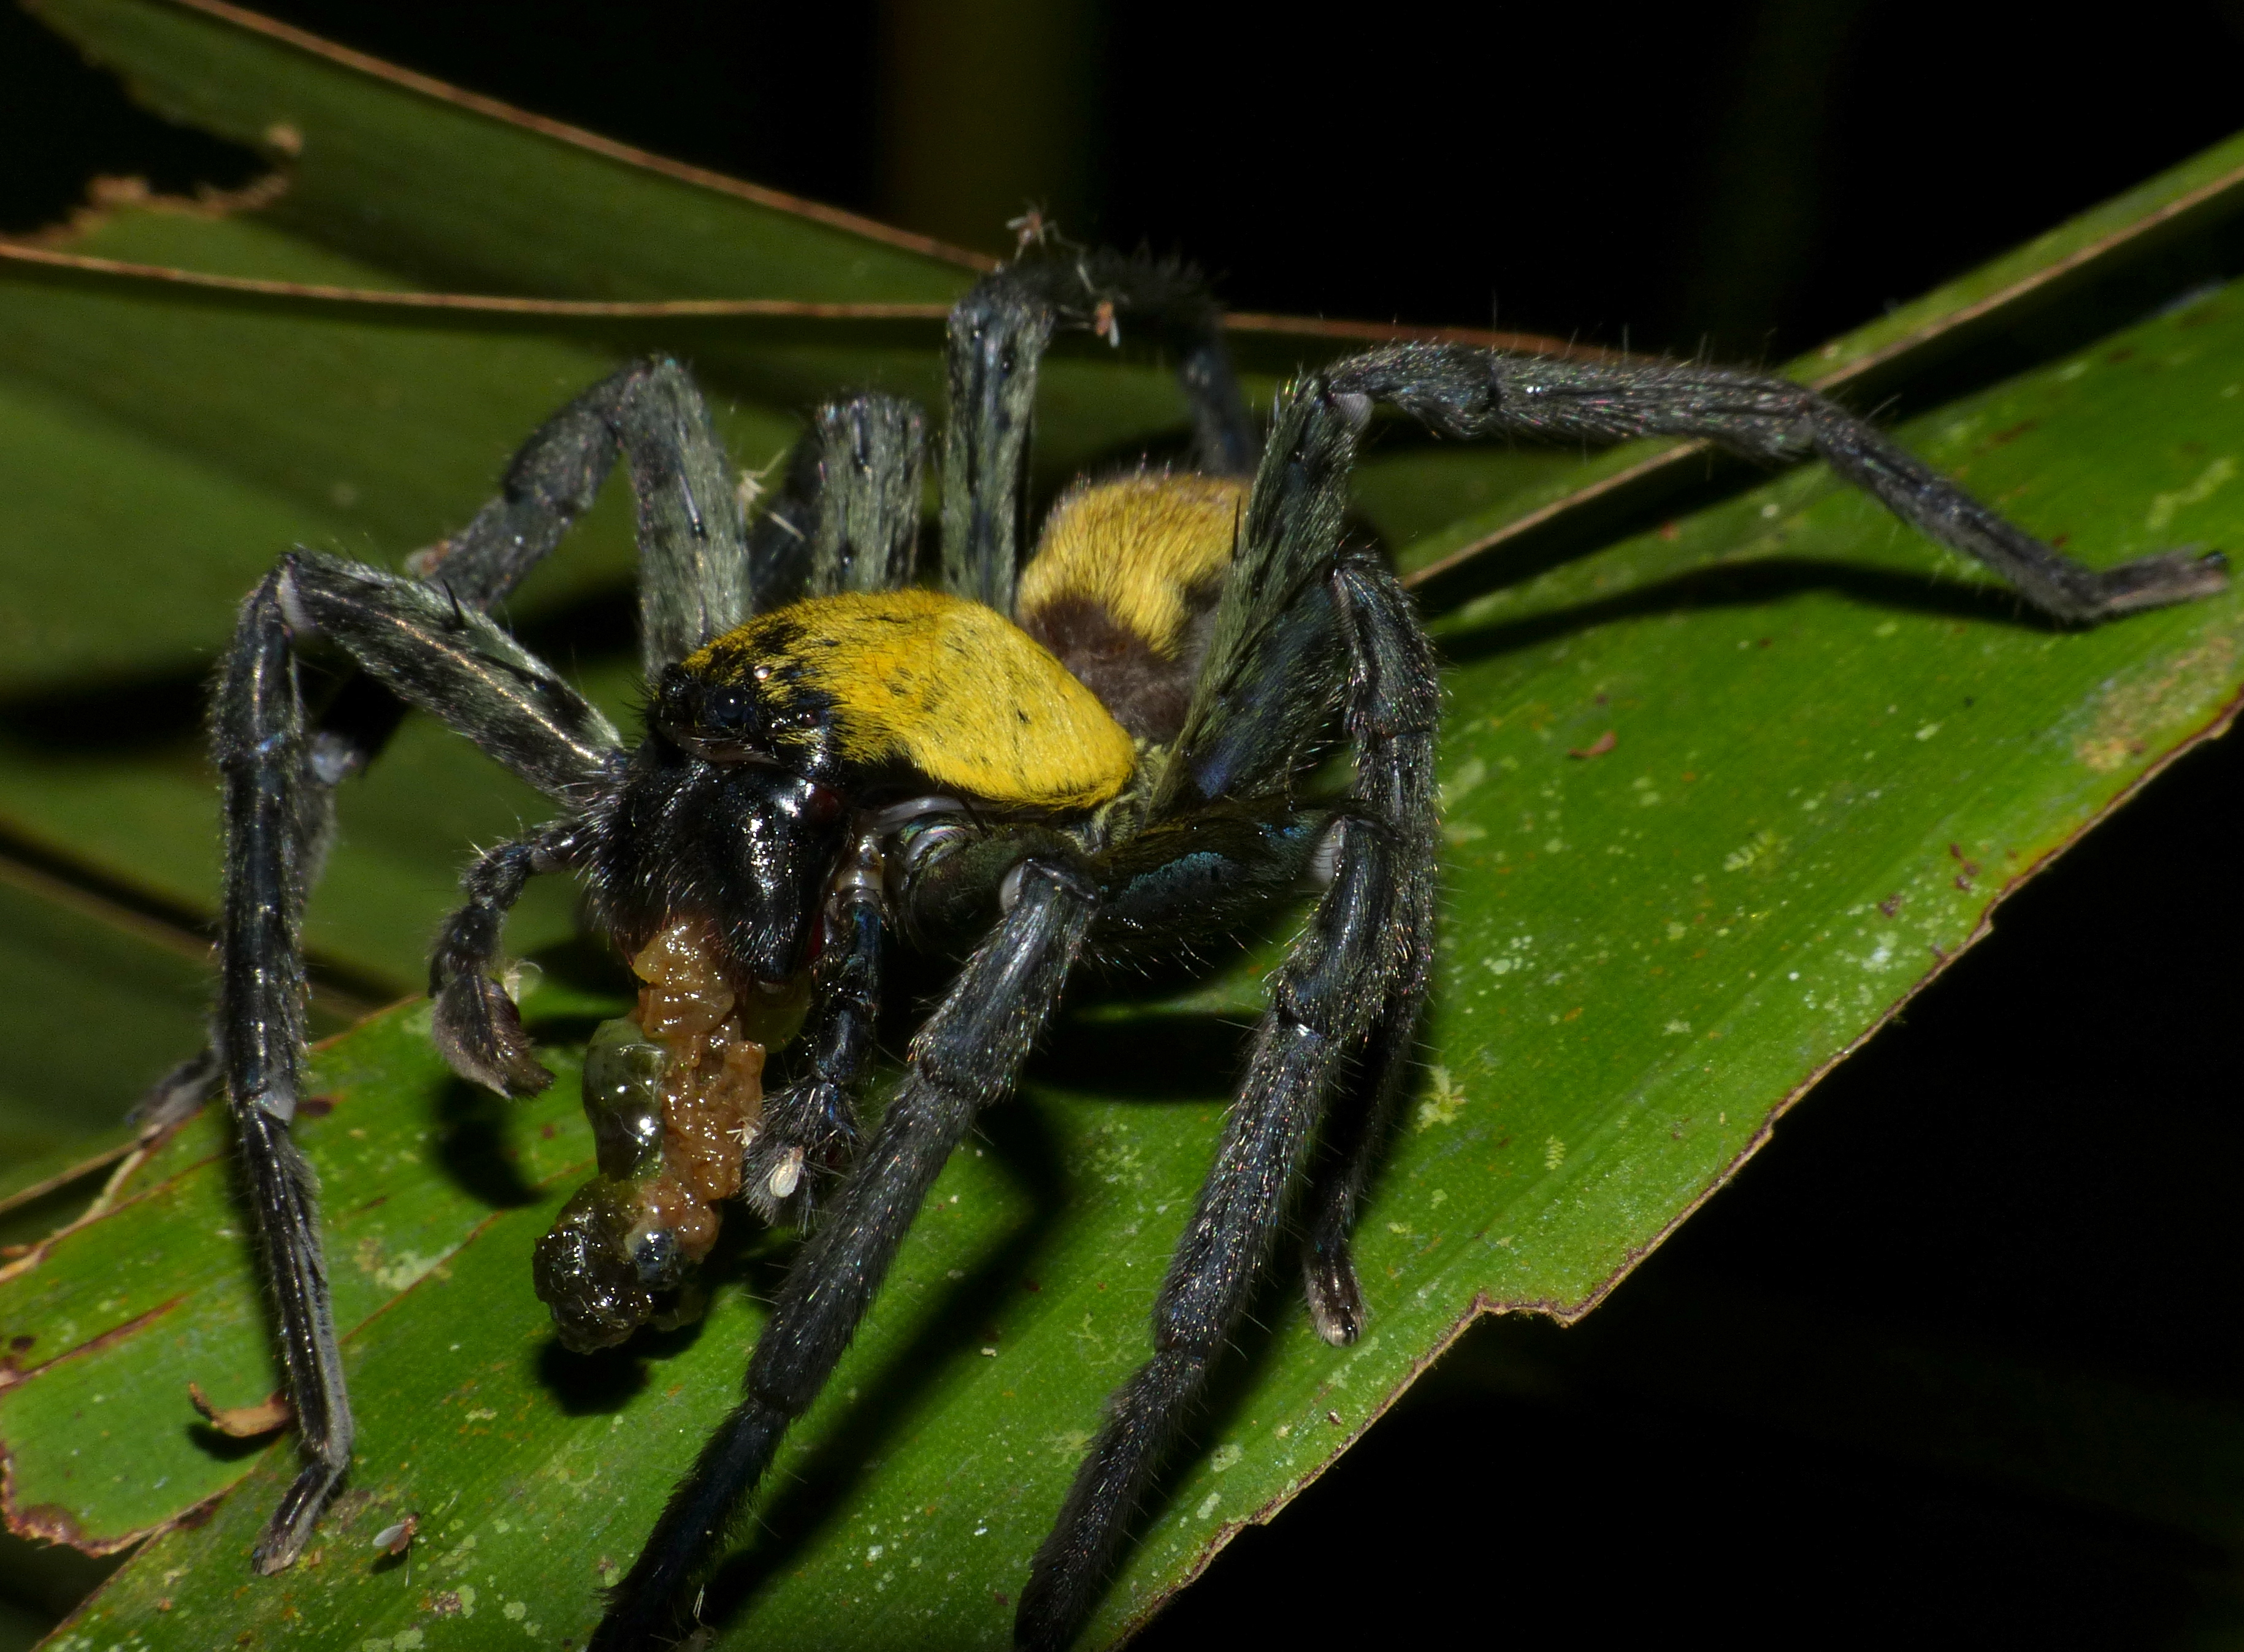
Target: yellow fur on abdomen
point(1144, 549)
point(943, 685)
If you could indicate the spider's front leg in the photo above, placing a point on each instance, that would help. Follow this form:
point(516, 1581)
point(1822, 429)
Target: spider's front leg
point(966, 1057)
point(455, 662)
point(808, 1130)
point(257, 740)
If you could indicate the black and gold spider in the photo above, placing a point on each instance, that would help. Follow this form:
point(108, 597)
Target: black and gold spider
point(1098, 752)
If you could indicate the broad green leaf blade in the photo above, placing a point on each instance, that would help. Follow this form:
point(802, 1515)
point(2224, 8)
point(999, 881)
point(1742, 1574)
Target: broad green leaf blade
point(100, 1014)
point(1827, 764)
point(1582, 1102)
point(158, 1291)
point(451, 189)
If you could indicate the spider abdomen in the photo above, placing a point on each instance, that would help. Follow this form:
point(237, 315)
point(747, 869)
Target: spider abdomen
point(857, 687)
point(1122, 589)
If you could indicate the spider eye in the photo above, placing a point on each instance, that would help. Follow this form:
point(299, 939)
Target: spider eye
point(726, 707)
point(720, 722)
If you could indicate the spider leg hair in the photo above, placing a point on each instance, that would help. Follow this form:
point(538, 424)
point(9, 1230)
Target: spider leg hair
point(966, 1057)
point(847, 517)
point(1357, 971)
point(456, 663)
point(997, 334)
point(475, 1024)
point(694, 562)
point(1466, 391)
point(257, 738)
point(433, 651)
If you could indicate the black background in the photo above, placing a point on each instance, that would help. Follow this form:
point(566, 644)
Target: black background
point(2036, 1167)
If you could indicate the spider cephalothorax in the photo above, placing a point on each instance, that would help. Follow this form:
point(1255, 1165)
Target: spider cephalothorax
point(1102, 753)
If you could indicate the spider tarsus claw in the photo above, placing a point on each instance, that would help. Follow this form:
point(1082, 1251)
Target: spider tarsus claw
point(1336, 1298)
point(2181, 575)
point(290, 1529)
point(478, 1030)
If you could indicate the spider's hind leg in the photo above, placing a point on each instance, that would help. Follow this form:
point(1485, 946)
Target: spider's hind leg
point(1460, 390)
point(1355, 977)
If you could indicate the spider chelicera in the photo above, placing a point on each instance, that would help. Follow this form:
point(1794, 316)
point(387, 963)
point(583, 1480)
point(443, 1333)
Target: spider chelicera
point(1097, 753)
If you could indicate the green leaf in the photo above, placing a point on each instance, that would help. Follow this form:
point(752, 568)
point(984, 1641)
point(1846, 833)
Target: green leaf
point(66, 972)
point(1830, 758)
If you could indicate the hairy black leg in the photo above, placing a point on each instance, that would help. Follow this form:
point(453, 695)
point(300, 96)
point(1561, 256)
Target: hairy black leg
point(694, 562)
point(257, 737)
point(474, 1022)
point(1358, 971)
point(847, 516)
point(809, 1129)
point(1472, 392)
point(435, 651)
point(456, 663)
point(1394, 710)
point(1320, 1000)
point(998, 333)
point(967, 1057)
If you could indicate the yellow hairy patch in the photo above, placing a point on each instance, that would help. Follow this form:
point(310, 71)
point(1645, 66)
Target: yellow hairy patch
point(946, 685)
point(1137, 548)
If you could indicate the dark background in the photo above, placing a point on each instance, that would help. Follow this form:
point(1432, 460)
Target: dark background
point(2023, 1191)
